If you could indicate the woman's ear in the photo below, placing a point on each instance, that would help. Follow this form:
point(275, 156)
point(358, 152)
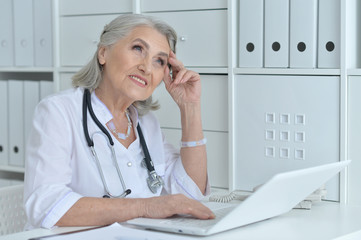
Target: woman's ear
point(101, 55)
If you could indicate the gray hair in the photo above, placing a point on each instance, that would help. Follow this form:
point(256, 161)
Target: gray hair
point(90, 75)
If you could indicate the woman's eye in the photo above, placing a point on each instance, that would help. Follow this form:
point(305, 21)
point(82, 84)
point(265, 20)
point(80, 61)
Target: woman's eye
point(161, 62)
point(138, 48)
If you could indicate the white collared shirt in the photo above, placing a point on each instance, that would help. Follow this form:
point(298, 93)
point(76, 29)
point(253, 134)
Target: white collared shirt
point(60, 168)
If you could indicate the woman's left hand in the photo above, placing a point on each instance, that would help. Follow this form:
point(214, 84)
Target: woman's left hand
point(184, 85)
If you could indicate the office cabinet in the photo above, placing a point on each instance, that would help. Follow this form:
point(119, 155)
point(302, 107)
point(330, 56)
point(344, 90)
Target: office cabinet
point(209, 41)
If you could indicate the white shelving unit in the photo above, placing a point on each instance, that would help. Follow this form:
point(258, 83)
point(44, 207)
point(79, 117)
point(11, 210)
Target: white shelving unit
point(219, 77)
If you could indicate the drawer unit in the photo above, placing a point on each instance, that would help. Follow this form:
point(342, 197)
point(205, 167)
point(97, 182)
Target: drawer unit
point(214, 104)
point(166, 5)
point(88, 7)
point(202, 36)
point(79, 37)
point(217, 154)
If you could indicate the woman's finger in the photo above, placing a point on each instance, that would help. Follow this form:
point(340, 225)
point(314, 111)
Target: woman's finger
point(167, 77)
point(175, 63)
point(179, 77)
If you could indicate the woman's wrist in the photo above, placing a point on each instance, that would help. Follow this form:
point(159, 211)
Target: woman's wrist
point(141, 207)
point(197, 143)
point(191, 121)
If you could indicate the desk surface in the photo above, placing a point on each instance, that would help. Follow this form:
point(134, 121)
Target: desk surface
point(326, 220)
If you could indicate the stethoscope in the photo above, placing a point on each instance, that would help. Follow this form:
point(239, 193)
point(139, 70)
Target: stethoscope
point(154, 181)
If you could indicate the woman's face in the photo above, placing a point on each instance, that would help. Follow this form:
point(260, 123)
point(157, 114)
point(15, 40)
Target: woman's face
point(135, 65)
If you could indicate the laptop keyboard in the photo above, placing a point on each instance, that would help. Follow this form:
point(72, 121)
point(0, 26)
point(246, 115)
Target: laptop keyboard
point(219, 209)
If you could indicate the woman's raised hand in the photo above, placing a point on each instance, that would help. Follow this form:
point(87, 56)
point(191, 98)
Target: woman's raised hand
point(183, 85)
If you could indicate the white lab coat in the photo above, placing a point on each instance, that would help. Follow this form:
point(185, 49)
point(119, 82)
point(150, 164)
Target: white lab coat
point(60, 168)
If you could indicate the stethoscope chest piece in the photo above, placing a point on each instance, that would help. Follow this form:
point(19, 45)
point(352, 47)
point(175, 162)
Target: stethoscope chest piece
point(154, 182)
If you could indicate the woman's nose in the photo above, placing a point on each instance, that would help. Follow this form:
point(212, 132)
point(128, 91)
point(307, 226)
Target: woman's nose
point(145, 66)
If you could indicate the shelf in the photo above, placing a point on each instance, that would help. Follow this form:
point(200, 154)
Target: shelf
point(354, 72)
point(27, 69)
point(69, 69)
point(201, 70)
point(287, 71)
point(209, 70)
point(12, 169)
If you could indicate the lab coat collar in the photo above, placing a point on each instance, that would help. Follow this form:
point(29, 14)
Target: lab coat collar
point(103, 113)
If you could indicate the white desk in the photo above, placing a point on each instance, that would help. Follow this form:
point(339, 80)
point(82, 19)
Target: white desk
point(325, 221)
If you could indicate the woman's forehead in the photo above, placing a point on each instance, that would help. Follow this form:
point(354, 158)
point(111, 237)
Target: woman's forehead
point(150, 36)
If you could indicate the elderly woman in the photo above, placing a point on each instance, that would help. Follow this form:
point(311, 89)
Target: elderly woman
point(85, 156)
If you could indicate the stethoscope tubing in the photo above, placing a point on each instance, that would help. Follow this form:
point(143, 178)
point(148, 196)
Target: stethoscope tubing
point(153, 180)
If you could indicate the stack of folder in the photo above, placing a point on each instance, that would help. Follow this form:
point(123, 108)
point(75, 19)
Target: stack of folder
point(26, 33)
point(18, 99)
point(289, 34)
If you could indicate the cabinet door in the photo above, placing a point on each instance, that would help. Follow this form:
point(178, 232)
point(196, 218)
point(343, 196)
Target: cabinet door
point(354, 139)
point(166, 5)
point(214, 104)
point(202, 40)
point(79, 37)
point(285, 123)
point(217, 154)
point(82, 7)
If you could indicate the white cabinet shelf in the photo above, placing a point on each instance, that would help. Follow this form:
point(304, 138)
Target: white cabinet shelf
point(354, 72)
point(27, 69)
point(12, 169)
point(287, 71)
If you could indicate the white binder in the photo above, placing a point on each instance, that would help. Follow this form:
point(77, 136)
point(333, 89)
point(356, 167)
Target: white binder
point(4, 146)
point(23, 32)
point(16, 122)
point(43, 33)
point(251, 33)
point(31, 99)
point(303, 33)
point(6, 36)
point(46, 88)
point(276, 45)
point(329, 34)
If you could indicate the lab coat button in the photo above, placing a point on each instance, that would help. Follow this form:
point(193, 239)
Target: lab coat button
point(129, 164)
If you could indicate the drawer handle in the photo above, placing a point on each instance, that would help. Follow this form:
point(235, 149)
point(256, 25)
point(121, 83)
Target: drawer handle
point(4, 43)
point(42, 42)
point(23, 43)
point(183, 38)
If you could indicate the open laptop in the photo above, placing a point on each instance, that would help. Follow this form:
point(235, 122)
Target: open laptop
point(277, 196)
